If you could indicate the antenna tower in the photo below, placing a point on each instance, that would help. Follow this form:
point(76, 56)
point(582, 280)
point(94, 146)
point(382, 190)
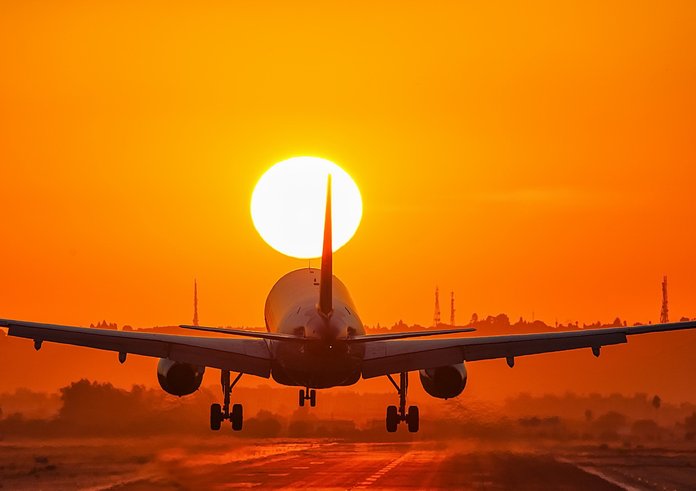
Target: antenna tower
point(195, 303)
point(452, 310)
point(436, 315)
point(664, 314)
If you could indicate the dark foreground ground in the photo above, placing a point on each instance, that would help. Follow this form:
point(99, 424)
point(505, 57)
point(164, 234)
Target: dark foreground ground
point(165, 463)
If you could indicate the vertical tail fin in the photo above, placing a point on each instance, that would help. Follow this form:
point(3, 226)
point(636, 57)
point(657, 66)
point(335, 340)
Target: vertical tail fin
point(325, 297)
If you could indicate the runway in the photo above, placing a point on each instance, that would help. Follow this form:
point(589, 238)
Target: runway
point(403, 467)
point(230, 464)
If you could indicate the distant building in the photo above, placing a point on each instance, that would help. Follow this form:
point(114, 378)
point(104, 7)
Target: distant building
point(105, 325)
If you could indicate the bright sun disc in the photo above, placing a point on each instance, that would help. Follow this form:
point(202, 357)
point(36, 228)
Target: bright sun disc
point(288, 204)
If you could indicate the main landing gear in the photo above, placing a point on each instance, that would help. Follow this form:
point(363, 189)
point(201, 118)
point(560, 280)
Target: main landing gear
point(308, 395)
point(396, 416)
point(219, 414)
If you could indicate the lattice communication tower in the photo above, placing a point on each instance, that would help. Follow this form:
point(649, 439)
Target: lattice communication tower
point(195, 303)
point(664, 313)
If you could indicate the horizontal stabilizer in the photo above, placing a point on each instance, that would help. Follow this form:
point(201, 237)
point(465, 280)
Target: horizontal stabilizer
point(243, 332)
point(404, 335)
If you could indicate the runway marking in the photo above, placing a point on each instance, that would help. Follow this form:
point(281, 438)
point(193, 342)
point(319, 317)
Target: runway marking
point(301, 467)
point(279, 474)
point(317, 463)
point(369, 481)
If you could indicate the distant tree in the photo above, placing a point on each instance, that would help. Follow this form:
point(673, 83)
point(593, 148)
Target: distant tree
point(502, 320)
point(474, 318)
point(656, 402)
point(617, 323)
point(646, 428)
point(610, 423)
point(589, 415)
point(82, 397)
point(300, 428)
point(690, 424)
point(265, 424)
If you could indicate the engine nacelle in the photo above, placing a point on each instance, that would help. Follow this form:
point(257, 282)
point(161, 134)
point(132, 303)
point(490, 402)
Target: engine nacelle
point(179, 379)
point(444, 382)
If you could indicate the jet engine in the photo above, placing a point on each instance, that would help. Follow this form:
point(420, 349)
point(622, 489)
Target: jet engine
point(179, 379)
point(444, 382)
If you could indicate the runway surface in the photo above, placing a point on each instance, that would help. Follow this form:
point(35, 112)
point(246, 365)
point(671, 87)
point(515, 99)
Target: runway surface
point(218, 465)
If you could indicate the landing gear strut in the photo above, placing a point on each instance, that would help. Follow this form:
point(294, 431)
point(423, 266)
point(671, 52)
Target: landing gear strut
point(219, 414)
point(308, 394)
point(397, 415)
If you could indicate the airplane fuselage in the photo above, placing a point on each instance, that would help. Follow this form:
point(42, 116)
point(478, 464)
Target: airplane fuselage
point(325, 360)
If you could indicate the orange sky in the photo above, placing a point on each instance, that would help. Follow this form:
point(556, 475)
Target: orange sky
point(533, 157)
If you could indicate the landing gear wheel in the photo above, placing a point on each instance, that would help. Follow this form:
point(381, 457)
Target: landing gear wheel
point(216, 417)
point(397, 415)
point(392, 419)
point(237, 417)
point(308, 395)
point(412, 419)
point(220, 413)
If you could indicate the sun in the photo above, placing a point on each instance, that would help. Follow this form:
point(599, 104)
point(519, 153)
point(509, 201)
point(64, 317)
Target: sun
point(287, 206)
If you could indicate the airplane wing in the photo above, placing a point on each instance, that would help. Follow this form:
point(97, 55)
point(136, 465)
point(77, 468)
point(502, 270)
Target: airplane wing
point(386, 357)
point(250, 356)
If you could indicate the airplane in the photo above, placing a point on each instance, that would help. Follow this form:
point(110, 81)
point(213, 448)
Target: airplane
point(315, 339)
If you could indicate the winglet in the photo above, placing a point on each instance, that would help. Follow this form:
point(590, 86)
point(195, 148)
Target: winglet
point(325, 297)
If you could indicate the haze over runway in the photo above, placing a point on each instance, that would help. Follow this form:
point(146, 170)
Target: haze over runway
point(301, 464)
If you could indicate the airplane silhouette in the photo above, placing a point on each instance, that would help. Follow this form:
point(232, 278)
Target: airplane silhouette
point(316, 340)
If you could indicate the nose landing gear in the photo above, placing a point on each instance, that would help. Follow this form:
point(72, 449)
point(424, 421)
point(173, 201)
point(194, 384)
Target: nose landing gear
point(397, 415)
point(218, 413)
point(308, 394)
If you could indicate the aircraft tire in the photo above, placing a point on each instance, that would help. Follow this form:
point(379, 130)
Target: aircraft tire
point(302, 397)
point(392, 419)
point(215, 417)
point(312, 397)
point(237, 417)
point(413, 419)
